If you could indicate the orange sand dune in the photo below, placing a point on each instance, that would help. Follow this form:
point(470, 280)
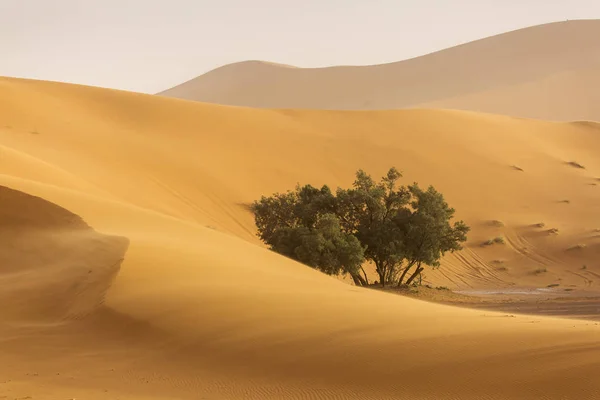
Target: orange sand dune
point(166, 294)
point(545, 72)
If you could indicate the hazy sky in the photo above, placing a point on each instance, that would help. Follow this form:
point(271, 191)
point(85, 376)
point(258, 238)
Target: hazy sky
point(150, 45)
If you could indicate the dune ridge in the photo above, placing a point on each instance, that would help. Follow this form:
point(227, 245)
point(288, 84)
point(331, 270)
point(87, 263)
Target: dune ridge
point(199, 309)
point(544, 72)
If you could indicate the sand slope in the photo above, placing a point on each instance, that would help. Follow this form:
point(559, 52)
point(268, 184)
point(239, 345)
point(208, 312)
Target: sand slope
point(199, 310)
point(43, 276)
point(555, 63)
point(564, 96)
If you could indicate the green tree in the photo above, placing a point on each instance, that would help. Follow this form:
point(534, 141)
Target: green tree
point(399, 229)
point(327, 248)
point(300, 207)
point(301, 226)
point(427, 232)
point(370, 212)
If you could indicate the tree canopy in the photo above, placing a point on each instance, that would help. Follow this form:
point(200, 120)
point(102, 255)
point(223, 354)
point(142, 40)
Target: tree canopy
point(400, 229)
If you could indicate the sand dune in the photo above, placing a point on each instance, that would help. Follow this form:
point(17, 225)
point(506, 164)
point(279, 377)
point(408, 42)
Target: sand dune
point(43, 246)
point(198, 309)
point(554, 64)
point(565, 96)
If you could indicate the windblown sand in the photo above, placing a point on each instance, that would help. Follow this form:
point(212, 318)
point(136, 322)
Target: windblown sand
point(129, 266)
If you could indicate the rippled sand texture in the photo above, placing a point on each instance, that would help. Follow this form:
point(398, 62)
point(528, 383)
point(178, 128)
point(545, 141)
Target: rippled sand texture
point(130, 268)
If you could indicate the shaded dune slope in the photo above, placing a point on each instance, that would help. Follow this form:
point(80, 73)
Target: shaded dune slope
point(499, 74)
point(197, 309)
point(53, 266)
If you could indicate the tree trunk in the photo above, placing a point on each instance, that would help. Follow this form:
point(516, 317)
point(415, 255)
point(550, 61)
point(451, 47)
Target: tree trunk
point(415, 274)
point(365, 276)
point(380, 272)
point(359, 280)
point(408, 267)
point(388, 275)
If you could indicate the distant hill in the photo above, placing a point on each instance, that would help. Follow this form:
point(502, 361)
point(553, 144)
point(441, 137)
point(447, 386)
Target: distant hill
point(548, 71)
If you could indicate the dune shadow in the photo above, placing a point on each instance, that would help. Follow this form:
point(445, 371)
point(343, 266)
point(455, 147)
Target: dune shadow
point(53, 265)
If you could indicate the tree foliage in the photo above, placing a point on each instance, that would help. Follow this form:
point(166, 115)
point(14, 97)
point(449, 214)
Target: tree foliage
point(400, 229)
point(302, 225)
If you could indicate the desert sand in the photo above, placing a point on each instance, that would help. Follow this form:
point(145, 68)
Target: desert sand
point(130, 268)
point(546, 72)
